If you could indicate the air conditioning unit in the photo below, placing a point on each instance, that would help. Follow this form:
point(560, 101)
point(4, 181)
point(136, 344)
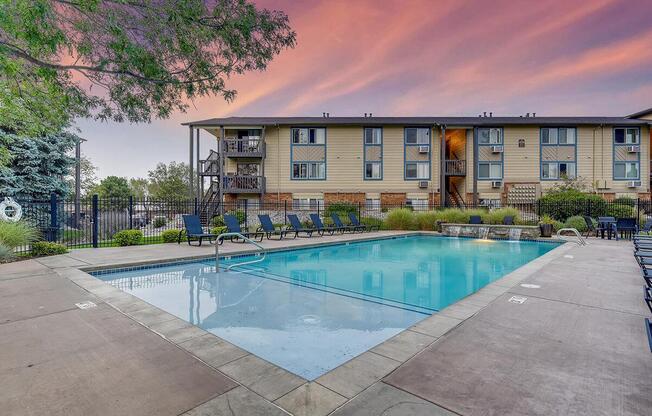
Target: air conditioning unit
point(634, 149)
point(496, 149)
point(633, 184)
point(424, 149)
point(496, 184)
point(423, 184)
point(601, 184)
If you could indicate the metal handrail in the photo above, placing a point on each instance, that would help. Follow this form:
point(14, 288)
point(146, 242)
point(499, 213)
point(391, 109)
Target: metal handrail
point(580, 239)
point(247, 239)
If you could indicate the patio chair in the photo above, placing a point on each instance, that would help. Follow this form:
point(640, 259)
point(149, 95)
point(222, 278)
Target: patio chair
point(356, 223)
point(194, 231)
point(648, 330)
point(627, 227)
point(296, 227)
point(339, 224)
point(590, 228)
point(647, 296)
point(508, 220)
point(607, 224)
point(647, 227)
point(267, 226)
point(321, 228)
point(233, 226)
point(475, 219)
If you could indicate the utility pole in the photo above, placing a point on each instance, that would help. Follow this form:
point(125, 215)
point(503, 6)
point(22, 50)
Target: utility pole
point(78, 181)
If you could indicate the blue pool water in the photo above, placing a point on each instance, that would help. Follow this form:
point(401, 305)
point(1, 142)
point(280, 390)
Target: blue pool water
point(310, 310)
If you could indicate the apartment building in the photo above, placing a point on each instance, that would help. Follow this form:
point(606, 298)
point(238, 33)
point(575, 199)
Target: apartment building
point(418, 160)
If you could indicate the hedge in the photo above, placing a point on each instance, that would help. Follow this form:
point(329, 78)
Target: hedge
point(128, 237)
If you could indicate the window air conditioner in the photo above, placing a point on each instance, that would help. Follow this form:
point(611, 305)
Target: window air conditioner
point(634, 149)
point(423, 184)
point(424, 149)
point(633, 184)
point(496, 149)
point(496, 184)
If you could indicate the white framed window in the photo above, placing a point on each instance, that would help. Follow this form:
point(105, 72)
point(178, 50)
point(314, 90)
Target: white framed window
point(372, 203)
point(308, 170)
point(309, 136)
point(373, 135)
point(417, 135)
point(372, 170)
point(558, 135)
point(307, 203)
point(490, 136)
point(417, 170)
point(417, 204)
point(624, 135)
point(490, 170)
point(558, 170)
point(626, 170)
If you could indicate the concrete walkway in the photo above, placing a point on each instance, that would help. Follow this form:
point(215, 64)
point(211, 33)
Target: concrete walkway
point(576, 346)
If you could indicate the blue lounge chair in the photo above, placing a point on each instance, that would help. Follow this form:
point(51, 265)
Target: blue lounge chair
point(319, 225)
point(192, 225)
point(297, 227)
point(267, 226)
point(475, 219)
point(647, 227)
point(356, 223)
point(648, 329)
point(647, 296)
point(339, 224)
point(233, 226)
point(508, 220)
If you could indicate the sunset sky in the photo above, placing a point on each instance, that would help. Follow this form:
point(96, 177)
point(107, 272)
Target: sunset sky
point(411, 57)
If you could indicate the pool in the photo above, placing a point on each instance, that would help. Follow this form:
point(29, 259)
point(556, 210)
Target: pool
point(310, 310)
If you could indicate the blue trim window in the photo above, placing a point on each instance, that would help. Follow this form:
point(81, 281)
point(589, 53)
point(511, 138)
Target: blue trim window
point(307, 169)
point(417, 138)
point(373, 139)
point(559, 138)
point(492, 139)
point(627, 140)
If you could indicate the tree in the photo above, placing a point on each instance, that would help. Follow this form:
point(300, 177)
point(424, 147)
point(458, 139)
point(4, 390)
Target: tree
point(88, 176)
point(113, 187)
point(169, 181)
point(139, 187)
point(139, 59)
point(36, 167)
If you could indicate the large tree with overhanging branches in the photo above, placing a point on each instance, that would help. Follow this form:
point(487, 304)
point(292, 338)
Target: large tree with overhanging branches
point(130, 60)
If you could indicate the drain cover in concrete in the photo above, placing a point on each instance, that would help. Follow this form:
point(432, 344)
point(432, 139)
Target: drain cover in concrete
point(518, 299)
point(85, 305)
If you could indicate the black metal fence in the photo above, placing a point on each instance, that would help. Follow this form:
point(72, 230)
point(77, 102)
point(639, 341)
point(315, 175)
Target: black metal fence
point(93, 221)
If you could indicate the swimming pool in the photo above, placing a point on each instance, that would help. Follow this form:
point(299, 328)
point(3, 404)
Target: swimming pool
point(310, 310)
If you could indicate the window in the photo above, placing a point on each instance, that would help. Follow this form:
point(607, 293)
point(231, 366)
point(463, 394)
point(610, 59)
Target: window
point(372, 203)
point(307, 203)
point(417, 204)
point(490, 170)
point(558, 143)
point(309, 136)
point(561, 135)
point(626, 170)
point(417, 135)
point(417, 170)
point(308, 170)
point(626, 135)
point(490, 136)
point(558, 170)
point(250, 169)
point(373, 135)
point(372, 170)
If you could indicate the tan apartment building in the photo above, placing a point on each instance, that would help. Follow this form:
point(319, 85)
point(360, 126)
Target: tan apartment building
point(418, 160)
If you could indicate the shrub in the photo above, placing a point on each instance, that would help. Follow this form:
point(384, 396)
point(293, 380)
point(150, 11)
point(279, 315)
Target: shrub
point(160, 222)
point(46, 248)
point(16, 234)
point(621, 211)
point(6, 253)
point(340, 208)
point(625, 200)
point(218, 230)
point(128, 237)
point(547, 219)
point(427, 221)
point(562, 205)
point(217, 221)
point(400, 219)
point(576, 222)
point(71, 234)
point(452, 216)
point(497, 216)
point(370, 221)
point(172, 236)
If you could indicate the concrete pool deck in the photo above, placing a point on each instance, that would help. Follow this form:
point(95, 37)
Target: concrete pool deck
point(575, 346)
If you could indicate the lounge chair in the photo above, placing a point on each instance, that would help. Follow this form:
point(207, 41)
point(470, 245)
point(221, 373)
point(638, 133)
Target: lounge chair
point(297, 227)
point(647, 296)
point(356, 222)
point(321, 228)
point(339, 224)
point(627, 227)
point(475, 219)
point(233, 226)
point(267, 226)
point(192, 225)
point(508, 220)
point(647, 227)
point(648, 329)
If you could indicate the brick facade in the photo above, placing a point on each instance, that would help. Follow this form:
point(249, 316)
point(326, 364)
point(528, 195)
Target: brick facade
point(349, 197)
point(280, 197)
point(387, 198)
point(433, 199)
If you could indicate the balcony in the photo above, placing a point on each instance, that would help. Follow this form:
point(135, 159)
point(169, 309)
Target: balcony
point(244, 184)
point(455, 167)
point(251, 146)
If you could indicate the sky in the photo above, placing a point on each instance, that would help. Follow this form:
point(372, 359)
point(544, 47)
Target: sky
point(420, 58)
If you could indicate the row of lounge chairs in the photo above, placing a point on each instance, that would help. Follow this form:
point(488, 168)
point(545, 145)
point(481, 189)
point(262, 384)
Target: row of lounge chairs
point(643, 255)
point(267, 229)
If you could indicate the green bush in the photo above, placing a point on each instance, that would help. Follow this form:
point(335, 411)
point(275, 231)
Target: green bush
point(71, 234)
point(547, 219)
point(160, 222)
point(16, 234)
point(569, 203)
point(218, 220)
point(427, 221)
point(46, 248)
point(372, 221)
point(576, 222)
point(400, 219)
point(497, 216)
point(452, 216)
point(625, 200)
point(6, 253)
point(172, 236)
point(620, 211)
point(128, 237)
point(218, 230)
point(340, 208)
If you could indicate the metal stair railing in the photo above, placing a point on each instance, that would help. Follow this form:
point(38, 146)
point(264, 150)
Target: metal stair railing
point(580, 240)
point(249, 240)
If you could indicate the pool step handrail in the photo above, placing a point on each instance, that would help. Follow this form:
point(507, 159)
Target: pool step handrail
point(580, 240)
point(247, 239)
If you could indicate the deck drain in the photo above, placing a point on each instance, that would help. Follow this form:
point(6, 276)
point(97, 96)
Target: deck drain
point(530, 286)
point(568, 256)
point(310, 319)
point(517, 299)
point(85, 305)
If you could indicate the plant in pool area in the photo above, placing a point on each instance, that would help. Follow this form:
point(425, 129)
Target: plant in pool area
point(371, 221)
point(547, 219)
point(563, 204)
point(340, 208)
point(576, 222)
point(400, 219)
point(497, 216)
point(46, 248)
point(16, 234)
point(452, 216)
point(218, 230)
point(172, 236)
point(621, 211)
point(160, 222)
point(217, 221)
point(427, 221)
point(128, 237)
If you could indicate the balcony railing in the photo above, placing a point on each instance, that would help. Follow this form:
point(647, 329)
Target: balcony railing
point(455, 167)
point(251, 146)
point(244, 184)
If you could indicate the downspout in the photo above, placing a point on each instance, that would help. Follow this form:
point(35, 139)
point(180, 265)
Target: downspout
point(475, 165)
point(442, 178)
point(595, 181)
point(191, 188)
point(278, 164)
point(437, 127)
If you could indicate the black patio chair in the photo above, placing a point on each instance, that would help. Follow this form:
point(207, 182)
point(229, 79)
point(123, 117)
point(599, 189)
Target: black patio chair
point(194, 231)
point(356, 223)
point(607, 224)
point(590, 228)
point(267, 226)
point(508, 220)
point(297, 227)
point(339, 224)
point(627, 227)
point(233, 226)
point(475, 219)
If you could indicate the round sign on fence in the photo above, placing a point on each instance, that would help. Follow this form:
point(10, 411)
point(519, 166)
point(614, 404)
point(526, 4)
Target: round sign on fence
point(10, 210)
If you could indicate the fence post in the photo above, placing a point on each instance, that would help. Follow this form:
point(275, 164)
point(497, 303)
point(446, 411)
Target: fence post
point(285, 212)
point(246, 210)
point(54, 218)
point(359, 211)
point(196, 212)
point(95, 221)
point(638, 210)
point(131, 212)
point(539, 208)
point(589, 210)
point(318, 208)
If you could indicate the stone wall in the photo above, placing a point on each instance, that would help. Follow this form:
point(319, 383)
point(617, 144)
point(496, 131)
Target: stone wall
point(512, 232)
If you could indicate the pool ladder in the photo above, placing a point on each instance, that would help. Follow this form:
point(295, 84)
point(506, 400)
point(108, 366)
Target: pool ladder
point(247, 239)
point(580, 240)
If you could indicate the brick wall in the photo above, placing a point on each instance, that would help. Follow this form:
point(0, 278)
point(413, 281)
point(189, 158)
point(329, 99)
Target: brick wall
point(433, 198)
point(387, 198)
point(350, 197)
point(280, 198)
point(229, 198)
